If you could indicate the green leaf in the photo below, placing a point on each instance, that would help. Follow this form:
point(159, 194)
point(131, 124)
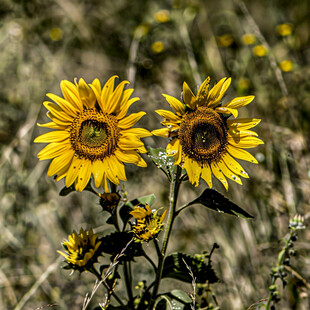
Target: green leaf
point(114, 243)
point(176, 267)
point(175, 300)
point(67, 190)
point(124, 211)
point(212, 199)
point(162, 161)
point(182, 296)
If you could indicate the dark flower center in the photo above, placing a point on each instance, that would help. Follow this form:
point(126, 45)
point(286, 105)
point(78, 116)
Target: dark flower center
point(94, 134)
point(203, 135)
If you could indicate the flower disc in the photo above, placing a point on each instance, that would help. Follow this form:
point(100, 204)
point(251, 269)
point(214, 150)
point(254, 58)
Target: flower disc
point(94, 135)
point(203, 135)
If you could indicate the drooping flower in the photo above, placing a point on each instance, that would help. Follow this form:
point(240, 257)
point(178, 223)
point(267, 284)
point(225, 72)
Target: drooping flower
point(82, 250)
point(148, 224)
point(93, 135)
point(203, 140)
point(109, 201)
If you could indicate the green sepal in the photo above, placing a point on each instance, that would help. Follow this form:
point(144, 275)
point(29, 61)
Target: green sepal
point(67, 190)
point(114, 243)
point(124, 211)
point(162, 161)
point(176, 266)
point(212, 199)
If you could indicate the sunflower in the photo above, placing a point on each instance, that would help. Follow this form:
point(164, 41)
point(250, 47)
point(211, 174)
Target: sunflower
point(82, 250)
point(202, 138)
point(148, 224)
point(93, 135)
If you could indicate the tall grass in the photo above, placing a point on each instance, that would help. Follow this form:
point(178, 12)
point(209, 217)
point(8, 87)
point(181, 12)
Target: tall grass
point(43, 42)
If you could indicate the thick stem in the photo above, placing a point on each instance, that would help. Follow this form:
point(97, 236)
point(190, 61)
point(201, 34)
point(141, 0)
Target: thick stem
point(174, 190)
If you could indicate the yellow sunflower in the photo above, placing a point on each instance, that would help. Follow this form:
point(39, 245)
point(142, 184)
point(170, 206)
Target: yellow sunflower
point(203, 140)
point(148, 224)
point(81, 249)
point(93, 135)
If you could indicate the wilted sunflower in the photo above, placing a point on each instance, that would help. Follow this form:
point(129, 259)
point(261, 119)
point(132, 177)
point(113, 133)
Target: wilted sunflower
point(81, 250)
point(203, 139)
point(148, 224)
point(93, 134)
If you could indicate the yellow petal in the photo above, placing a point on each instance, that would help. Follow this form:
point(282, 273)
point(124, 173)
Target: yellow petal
point(239, 134)
point(83, 175)
point(98, 171)
point(73, 171)
point(131, 157)
point(193, 170)
point(203, 92)
point(244, 142)
point(225, 110)
point(52, 125)
point(71, 94)
point(234, 166)
point(97, 85)
point(53, 150)
point(169, 116)
point(130, 120)
point(63, 172)
point(227, 172)
point(176, 105)
point(86, 94)
point(139, 132)
point(116, 97)
point(239, 102)
point(60, 162)
point(217, 92)
point(59, 112)
point(240, 154)
point(129, 142)
point(118, 168)
point(206, 174)
point(188, 97)
point(124, 108)
point(53, 136)
point(107, 91)
point(173, 147)
point(105, 184)
point(242, 123)
point(59, 122)
point(163, 132)
point(219, 174)
point(111, 171)
point(64, 105)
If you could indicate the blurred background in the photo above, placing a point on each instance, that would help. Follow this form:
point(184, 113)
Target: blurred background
point(156, 45)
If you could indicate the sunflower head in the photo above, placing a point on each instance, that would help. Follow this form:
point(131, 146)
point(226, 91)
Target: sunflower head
point(91, 133)
point(203, 138)
point(147, 224)
point(109, 201)
point(81, 250)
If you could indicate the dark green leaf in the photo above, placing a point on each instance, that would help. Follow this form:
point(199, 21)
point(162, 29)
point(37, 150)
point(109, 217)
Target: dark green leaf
point(114, 243)
point(128, 207)
point(169, 301)
point(212, 199)
point(163, 302)
point(67, 190)
point(162, 161)
point(176, 267)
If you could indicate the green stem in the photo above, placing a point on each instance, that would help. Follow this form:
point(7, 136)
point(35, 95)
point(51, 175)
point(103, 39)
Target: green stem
point(150, 261)
point(128, 282)
point(94, 271)
point(281, 257)
point(174, 190)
